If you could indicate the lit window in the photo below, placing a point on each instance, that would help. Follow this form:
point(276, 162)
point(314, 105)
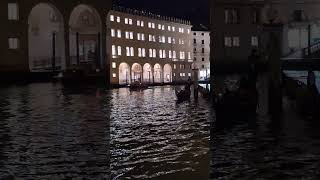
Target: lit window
point(13, 43)
point(138, 23)
point(126, 21)
point(160, 39)
point(188, 31)
point(139, 52)
point(131, 35)
point(118, 19)
point(174, 29)
point(227, 41)
point(128, 51)
point(164, 55)
point(154, 38)
point(114, 75)
point(154, 53)
point(142, 24)
point(138, 36)
point(150, 53)
point(236, 41)
point(254, 41)
point(149, 25)
point(113, 33)
point(150, 37)
point(170, 54)
point(127, 35)
point(143, 52)
point(160, 53)
point(114, 65)
point(114, 51)
point(142, 37)
point(153, 25)
point(174, 66)
point(163, 39)
point(159, 26)
point(182, 55)
point(169, 28)
point(169, 40)
point(119, 51)
point(111, 17)
point(174, 55)
point(173, 41)
point(13, 11)
point(189, 74)
point(119, 33)
point(130, 21)
point(162, 27)
point(131, 51)
point(189, 55)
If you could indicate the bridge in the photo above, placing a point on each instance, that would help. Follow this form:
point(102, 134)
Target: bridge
point(304, 59)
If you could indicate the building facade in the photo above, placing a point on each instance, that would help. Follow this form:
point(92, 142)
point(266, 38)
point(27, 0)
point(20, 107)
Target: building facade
point(201, 51)
point(148, 48)
point(236, 25)
point(43, 35)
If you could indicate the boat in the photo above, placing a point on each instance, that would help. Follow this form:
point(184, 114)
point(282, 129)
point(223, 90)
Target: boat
point(240, 103)
point(183, 95)
point(138, 86)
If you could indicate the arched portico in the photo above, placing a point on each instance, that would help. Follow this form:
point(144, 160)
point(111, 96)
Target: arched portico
point(147, 73)
point(167, 73)
point(157, 73)
point(85, 36)
point(136, 72)
point(124, 74)
point(46, 44)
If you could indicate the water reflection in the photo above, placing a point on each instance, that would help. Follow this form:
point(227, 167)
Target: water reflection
point(153, 137)
point(47, 133)
point(283, 148)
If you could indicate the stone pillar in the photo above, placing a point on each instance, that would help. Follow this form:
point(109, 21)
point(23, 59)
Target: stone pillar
point(67, 45)
point(273, 36)
point(196, 82)
point(105, 58)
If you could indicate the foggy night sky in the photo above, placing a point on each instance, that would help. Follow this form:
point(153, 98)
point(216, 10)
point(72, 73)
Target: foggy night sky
point(195, 10)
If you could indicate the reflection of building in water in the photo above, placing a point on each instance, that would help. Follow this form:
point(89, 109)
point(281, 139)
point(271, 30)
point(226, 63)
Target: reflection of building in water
point(201, 51)
point(148, 48)
point(38, 36)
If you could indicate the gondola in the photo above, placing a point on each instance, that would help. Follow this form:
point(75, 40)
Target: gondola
point(183, 95)
point(241, 103)
point(138, 86)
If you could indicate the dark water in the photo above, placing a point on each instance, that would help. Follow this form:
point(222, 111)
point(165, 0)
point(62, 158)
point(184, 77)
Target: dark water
point(48, 132)
point(51, 132)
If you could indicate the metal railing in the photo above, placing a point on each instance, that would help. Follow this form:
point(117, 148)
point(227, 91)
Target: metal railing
point(45, 63)
point(313, 48)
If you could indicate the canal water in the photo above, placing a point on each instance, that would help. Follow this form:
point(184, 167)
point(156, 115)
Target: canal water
point(153, 137)
point(48, 131)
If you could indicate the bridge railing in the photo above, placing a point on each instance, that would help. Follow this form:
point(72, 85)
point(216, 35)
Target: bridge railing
point(313, 48)
point(44, 64)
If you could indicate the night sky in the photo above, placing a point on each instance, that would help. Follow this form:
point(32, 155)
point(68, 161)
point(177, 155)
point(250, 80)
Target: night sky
point(196, 11)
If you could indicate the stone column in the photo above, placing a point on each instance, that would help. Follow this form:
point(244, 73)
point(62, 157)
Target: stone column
point(195, 82)
point(67, 45)
point(273, 36)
